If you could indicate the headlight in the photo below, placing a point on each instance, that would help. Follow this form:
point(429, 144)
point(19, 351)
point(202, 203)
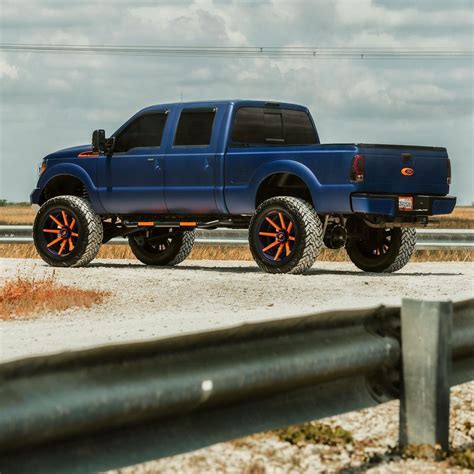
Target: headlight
point(42, 168)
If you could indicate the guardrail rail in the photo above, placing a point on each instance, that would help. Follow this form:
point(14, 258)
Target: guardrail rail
point(112, 406)
point(427, 239)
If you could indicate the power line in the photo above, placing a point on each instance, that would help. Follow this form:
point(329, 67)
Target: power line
point(274, 52)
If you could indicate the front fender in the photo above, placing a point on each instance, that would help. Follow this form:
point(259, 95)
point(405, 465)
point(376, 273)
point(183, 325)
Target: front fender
point(70, 169)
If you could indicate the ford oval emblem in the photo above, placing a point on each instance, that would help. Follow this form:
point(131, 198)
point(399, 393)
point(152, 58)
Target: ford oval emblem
point(407, 171)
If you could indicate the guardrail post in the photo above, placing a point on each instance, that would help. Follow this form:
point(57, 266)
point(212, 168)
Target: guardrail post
point(426, 356)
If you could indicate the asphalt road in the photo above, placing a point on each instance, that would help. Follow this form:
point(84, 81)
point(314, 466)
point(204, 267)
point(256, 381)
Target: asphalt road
point(197, 295)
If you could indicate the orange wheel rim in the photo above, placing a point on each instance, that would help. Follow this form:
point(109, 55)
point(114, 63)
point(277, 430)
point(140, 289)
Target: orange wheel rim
point(60, 239)
point(276, 236)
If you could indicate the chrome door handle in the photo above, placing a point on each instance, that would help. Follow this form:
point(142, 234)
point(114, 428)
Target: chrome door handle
point(150, 159)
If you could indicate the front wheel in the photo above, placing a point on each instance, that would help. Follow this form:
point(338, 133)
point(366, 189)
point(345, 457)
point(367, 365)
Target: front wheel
point(285, 235)
point(162, 246)
point(379, 250)
point(67, 232)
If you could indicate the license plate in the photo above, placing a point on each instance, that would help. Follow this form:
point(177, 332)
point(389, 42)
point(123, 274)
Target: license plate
point(405, 203)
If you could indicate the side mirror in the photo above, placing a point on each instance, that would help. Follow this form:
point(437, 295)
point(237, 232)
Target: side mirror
point(98, 141)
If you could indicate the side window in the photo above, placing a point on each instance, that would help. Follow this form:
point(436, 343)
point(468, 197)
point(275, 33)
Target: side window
point(145, 131)
point(298, 128)
point(195, 127)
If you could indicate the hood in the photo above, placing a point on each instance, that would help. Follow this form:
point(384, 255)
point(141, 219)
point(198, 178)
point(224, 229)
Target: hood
point(68, 152)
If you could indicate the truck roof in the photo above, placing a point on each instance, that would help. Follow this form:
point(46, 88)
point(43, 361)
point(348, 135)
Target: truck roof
point(215, 103)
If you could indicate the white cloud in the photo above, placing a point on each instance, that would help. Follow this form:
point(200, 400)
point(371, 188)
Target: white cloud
point(7, 71)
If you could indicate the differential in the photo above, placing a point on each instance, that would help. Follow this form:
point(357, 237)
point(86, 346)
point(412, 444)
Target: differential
point(335, 236)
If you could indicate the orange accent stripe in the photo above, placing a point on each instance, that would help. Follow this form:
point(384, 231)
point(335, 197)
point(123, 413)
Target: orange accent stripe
point(55, 241)
point(290, 226)
point(56, 221)
point(267, 234)
point(272, 223)
point(73, 223)
point(188, 224)
point(71, 245)
point(64, 218)
point(282, 221)
point(287, 248)
point(87, 154)
point(51, 231)
point(280, 248)
point(146, 224)
point(268, 247)
point(63, 244)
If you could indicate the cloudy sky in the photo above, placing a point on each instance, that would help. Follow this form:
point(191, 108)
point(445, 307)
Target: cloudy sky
point(50, 101)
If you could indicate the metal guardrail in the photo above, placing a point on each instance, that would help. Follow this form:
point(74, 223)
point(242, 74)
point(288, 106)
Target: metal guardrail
point(112, 406)
point(427, 239)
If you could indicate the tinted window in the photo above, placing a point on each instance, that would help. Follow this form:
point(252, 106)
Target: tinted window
point(273, 128)
point(266, 126)
point(145, 131)
point(194, 128)
point(248, 126)
point(298, 128)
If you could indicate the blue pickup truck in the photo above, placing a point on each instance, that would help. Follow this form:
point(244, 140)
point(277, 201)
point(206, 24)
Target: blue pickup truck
point(174, 168)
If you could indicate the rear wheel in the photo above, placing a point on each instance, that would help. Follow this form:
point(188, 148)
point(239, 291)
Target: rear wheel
point(285, 235)
point(162, 246)
point(379, 250)
point(67, 232)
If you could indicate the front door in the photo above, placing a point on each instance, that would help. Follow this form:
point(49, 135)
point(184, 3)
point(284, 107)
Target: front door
point(190, 164)
point(131, 181)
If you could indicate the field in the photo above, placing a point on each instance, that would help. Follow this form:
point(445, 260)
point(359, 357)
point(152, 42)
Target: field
point(462, 218)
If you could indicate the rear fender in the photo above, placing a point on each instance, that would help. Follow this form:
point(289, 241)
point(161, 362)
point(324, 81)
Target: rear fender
point(286, 166)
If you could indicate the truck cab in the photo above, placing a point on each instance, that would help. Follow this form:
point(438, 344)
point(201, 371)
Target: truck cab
point(216, 163)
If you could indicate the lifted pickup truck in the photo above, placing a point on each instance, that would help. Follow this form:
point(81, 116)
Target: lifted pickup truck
point(173, 168)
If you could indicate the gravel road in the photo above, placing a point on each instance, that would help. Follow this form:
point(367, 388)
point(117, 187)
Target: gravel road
point(198, 295)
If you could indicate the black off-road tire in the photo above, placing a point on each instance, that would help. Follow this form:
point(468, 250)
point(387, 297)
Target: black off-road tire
point(179, 248)
point(88, 226)
point(400, 248)
point(308, 239)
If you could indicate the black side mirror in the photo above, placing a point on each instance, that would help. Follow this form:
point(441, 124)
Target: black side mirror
point(98, 141)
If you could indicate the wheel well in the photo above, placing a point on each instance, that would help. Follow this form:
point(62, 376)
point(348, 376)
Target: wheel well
point(283, 184)
point(63, 185)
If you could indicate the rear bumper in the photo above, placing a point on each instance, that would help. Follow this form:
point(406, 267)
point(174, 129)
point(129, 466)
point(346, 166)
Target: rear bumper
point(387, 205)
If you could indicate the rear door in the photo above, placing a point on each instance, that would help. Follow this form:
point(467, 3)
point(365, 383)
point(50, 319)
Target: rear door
point(132, 179)
point(190, 163)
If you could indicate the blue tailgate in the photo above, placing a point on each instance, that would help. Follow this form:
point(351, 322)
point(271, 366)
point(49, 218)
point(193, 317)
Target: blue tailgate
point(405, 169)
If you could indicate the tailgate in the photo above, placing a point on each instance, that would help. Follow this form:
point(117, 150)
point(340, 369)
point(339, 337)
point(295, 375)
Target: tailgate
point(405, 169)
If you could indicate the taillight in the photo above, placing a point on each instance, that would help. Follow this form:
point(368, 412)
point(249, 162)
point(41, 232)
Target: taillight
point(449, 172)
point(357, 169)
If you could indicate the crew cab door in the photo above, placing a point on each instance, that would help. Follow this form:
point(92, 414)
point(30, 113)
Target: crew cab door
point(131, 181)
point(190, 163)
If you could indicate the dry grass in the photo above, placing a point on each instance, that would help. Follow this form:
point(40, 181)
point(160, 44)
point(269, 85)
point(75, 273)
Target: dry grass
point(16, 215)
point(23, 297)
point(201, 252)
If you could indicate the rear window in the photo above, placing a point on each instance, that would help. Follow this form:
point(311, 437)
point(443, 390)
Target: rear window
point(268, 126)
point(195, 127)
point(144, 131)
point(298, 128)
